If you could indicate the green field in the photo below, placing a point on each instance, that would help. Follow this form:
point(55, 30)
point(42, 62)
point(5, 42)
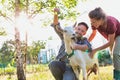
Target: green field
point(106, 73)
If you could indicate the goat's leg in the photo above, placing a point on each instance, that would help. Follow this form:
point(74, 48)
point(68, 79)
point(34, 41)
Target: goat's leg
point(89, 71)
point(98, 71)
point(84, 72)
point(95, 69)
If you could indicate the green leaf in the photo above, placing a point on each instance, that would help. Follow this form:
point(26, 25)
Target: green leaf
point(2, 32)
point(3, 1)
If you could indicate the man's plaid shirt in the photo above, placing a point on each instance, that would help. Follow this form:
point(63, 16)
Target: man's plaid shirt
point(61, 52)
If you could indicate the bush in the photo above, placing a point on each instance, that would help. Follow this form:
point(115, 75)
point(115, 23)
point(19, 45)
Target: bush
point(10, 70)
point(104, 58)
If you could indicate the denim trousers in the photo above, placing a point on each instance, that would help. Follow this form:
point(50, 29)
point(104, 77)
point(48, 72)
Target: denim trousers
point(116, 58)
point(61, 71)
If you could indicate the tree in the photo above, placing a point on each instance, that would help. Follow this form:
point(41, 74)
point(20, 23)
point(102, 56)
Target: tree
point(35, 48)
point(32, 8)
point(7, 53)
point(19, 61)
point(35, 7)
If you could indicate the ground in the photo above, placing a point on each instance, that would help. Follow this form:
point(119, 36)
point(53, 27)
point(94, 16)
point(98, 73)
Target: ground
point(106, 73)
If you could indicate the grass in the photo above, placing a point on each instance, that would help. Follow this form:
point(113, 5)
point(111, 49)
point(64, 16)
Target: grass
point(106, 73)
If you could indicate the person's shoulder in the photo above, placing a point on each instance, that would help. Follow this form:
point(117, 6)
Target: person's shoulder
point(111, 18)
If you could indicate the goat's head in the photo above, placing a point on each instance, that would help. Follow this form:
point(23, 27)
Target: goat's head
point(68, 33)
point(69, 37)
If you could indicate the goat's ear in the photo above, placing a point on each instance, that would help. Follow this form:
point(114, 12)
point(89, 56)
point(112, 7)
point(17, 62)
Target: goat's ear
point(75, 24)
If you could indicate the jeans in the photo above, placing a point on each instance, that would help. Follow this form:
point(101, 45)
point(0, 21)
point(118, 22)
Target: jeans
point(116, 74)
point(116, 58)
point(60, 71)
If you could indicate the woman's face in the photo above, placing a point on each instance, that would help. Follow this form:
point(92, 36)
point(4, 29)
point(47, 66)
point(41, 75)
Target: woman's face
point(96, 23)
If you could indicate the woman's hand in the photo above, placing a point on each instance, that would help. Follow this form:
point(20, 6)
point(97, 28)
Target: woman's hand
point(92, 53)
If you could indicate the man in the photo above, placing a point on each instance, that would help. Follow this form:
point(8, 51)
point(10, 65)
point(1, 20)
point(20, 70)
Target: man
point(58, 67)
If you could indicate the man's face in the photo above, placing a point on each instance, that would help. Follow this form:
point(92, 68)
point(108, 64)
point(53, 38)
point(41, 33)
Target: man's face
point(80, 30)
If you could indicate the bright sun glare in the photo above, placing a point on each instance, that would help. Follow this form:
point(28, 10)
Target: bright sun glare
point(22, 22)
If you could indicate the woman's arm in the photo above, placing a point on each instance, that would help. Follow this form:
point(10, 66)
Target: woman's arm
point(110, 42)
point(92, 35)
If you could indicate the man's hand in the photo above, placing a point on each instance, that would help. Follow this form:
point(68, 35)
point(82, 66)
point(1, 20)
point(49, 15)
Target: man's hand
point(57, 10)
point(74, 46)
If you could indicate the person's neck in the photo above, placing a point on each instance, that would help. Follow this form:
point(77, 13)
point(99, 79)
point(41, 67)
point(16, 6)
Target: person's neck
point(104, 22)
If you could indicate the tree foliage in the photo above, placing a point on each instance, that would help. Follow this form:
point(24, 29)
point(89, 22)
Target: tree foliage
point(38, 7)
point(34, 49)
point(7, 52)
point(104, 57)
point(2, 31)
point(34, 7)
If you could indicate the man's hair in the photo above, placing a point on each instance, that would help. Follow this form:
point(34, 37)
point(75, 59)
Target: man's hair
point(97, 14)
point(83, 23)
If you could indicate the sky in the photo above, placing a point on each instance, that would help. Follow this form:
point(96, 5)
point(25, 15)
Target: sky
point(35, 32)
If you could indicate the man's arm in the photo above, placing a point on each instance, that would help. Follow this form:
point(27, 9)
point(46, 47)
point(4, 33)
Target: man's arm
point(81, 47)
point(84, 46)
point(56, 11)
point(56, 24)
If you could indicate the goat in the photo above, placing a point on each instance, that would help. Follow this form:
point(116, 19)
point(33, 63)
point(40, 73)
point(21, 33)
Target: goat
point(79, 58)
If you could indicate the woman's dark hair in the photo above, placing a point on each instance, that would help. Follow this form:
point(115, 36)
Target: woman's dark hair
point(83, 23)
point(97, 14)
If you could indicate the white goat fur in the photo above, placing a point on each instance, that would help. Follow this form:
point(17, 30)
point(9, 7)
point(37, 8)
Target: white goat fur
point(79, 58)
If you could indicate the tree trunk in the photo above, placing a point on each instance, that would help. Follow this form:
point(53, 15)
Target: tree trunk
point(19, 61)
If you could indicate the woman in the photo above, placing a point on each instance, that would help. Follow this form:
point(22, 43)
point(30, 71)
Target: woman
point(109, 28)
